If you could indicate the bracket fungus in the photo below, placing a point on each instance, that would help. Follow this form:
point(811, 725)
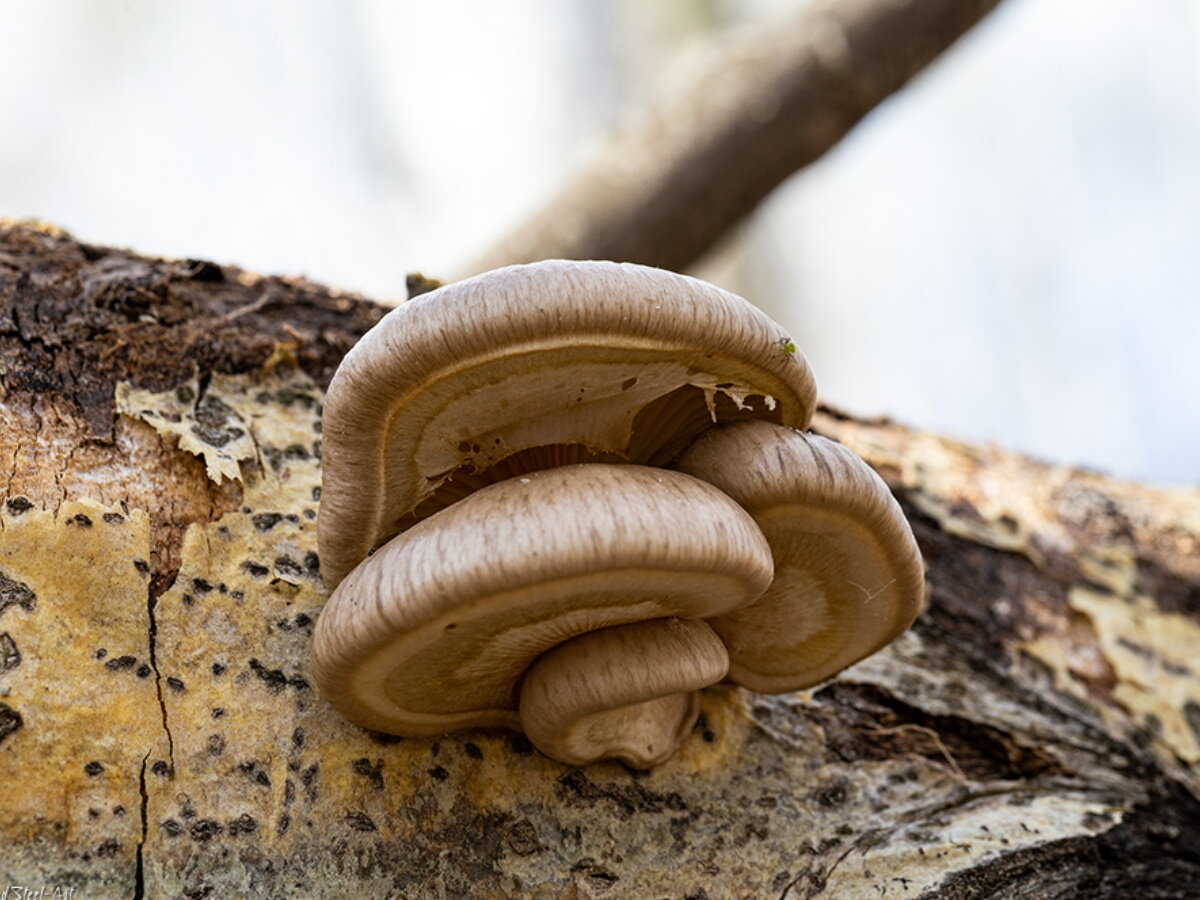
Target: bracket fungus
point(564, 497)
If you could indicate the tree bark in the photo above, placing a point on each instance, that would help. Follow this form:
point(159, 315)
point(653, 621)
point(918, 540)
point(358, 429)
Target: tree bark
point(765, 101)
point(1036, 733)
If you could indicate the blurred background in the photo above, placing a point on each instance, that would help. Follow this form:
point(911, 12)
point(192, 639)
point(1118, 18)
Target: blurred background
point(1008, 250)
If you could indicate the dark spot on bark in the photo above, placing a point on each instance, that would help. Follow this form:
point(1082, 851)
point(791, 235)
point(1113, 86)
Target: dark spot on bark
point(265, 521)
point(303, 621)
point(833, 794)
point(171, 827)
point(359, 821)
point(20, 505)
point(112, 518)
point(386, 740)
point(142, 566)
point(372, 772)
point(256, 570)
point(298, 738)
point(439, 773)
point(188, 600)
point(10, 656)
point(598, 878)
point(10, 721)
point(309, 514)
point(288, 566)
point(218, 712)
point(316, 492)
point(290, 397)
point(160, 768)
point(243, 824)
point(121, 662)
point(211, 415)
point(109, 847)
point(143, 671)
point(285, 822)
point(240, 595)
point(296, 451)
point(312, 563)
point(708, 735)
point(16, 593)
point(93, 813)
point(309, 775)
point(80, 520)
point(216, 744)
point(200, 892)
point(472, 750)
point(200, 586)
point(255, 773)
point(522, 839)
point(273, 678)
point(520, 745)
point(218, 669)
point(175, 684)
point(93, 769)
point(118, 810)
point(289, 792)
point(204, 829)
point(101, 653)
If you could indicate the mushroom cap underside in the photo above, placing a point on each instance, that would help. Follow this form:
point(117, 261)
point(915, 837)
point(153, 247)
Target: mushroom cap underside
point(435, 630)
point(535, 366)
point(849, 578)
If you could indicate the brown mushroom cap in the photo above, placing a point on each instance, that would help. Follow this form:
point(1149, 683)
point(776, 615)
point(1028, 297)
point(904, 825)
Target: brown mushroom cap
point(534, 366)
point(848, 574)
point(434, 631)
point(628, 692)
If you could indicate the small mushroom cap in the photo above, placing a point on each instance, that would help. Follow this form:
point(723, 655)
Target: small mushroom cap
point(535, 366)
point(848, 574)
point(434, 631)
point(628, 692)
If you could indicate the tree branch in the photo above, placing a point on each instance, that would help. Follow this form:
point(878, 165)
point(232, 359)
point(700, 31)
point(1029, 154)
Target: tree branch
point(766, 101)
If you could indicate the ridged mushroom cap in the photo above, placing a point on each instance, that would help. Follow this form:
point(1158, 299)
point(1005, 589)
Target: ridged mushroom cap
point(848, 573)
point(435, 631)
point(533, 366)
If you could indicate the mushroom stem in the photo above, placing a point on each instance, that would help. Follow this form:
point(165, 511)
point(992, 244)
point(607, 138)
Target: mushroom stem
point(626, 692)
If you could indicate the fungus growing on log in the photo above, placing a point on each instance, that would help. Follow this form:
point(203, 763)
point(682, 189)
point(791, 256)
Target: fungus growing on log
point(507, 547)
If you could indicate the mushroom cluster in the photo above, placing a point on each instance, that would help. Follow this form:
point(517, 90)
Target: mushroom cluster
point(564, 497)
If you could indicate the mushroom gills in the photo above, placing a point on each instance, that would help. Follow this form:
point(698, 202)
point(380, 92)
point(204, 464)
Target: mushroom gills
point(553, 354)
point(661, 430)
point(627, 693)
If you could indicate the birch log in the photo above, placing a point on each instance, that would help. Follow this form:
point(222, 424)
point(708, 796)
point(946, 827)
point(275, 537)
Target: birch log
point(1036, 734)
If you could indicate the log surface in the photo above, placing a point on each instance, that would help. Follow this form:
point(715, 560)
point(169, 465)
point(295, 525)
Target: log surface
point(1036, 734)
